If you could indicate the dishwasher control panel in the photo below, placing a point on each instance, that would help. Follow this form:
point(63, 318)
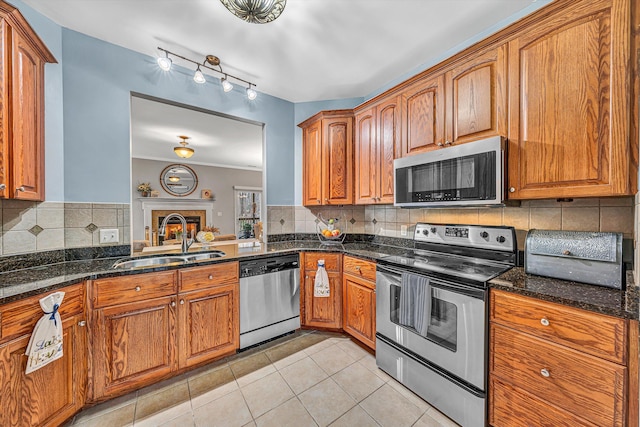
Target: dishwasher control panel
point(268, 265)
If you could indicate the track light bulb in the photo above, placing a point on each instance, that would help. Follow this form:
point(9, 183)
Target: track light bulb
point(226, 85)
point(164, 63)
point(251, 94)
point(198, 77)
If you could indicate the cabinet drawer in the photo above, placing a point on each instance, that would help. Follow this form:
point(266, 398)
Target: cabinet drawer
point(138, 287)
point(19, 318)
point(596, 334)
point(577, 382)
point(359, 268)
point(511, 407)
point(331, 261)
point(209, 275)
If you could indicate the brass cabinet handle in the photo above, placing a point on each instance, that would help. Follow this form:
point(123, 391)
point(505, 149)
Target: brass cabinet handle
point(21, 188)
point(545, 372)
point(357, 268)
point(82, 323)
point(544, 321)
point(137, 289)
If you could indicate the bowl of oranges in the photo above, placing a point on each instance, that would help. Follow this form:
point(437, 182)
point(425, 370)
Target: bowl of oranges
point(329, 230)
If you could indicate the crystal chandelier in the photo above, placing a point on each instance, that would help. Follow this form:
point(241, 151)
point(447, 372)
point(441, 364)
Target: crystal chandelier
point(256, 11)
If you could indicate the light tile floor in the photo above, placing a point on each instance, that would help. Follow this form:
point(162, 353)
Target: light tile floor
point(308, 378)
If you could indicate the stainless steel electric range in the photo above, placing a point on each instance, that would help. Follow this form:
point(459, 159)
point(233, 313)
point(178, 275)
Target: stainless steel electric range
point(431, 314)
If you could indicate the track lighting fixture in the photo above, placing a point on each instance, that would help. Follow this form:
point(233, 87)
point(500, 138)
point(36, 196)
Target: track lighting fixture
point(210, 61)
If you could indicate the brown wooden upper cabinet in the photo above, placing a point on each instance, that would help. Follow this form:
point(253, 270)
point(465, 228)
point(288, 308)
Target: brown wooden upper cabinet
point(569, 99)
point(465, 103)
point(377, 145)
point(327, 158)
point(22, 107)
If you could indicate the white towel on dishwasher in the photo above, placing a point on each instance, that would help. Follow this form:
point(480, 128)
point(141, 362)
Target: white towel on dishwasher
point(45, 344)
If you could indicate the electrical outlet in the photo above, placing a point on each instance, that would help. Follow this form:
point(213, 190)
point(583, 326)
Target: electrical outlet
point(109, 235)
point(403, 230)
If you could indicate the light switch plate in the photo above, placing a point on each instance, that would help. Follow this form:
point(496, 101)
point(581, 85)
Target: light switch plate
point(403, 230)
point(109, 235)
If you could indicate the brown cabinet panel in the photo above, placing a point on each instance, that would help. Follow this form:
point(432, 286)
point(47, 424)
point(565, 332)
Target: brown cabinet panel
point(596, 334)
point(476, 93)
point(366, 158)
point(388, 138)
point(209, 324)
point(359, 305)
point(579, 383)
point(195, 278)
point(423, 116)
point(569, 127)
point(360, 268)
point(51, 394)
point(322, 312)
point(338, 167)
point(511, 407)
point(332, 262)
point(137, 287)
point(135, 345)
point(312, 165)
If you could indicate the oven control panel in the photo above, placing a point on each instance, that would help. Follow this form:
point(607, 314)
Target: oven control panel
point(475, 236)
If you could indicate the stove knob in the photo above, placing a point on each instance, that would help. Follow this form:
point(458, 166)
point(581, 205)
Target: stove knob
point(484, 234)
point(425, 232)
point(433, 230)
point(500, 239)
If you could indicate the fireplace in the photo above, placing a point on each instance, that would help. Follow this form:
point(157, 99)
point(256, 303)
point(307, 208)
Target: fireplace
point(196, 219)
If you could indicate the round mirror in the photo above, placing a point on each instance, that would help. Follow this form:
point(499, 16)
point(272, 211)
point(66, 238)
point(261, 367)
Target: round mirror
point(178, 180)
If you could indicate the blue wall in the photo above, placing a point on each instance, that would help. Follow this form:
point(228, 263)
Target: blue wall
point(98, 80)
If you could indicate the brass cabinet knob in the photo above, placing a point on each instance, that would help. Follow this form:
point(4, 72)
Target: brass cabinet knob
point(21, 188)
point(512, 190)
point(439, 144)
point(211, 277)
point(545, 372)
point(2, 187)
point(566, 252)
point(173, 303)
point(544, 321)
point(82, 323)
point(181, 302)
point(138, 289)
point(447, 143)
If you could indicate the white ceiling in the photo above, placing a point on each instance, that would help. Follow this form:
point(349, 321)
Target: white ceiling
point(316, 50)
point(217, 140)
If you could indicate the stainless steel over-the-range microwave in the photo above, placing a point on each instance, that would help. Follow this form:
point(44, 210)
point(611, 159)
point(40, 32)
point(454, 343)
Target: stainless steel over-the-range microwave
point(470, 174)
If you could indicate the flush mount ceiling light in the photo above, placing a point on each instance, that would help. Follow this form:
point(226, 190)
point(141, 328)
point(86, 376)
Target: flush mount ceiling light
point(174, 178)
point(210, 62)
point(255, 11)
point(183, 151)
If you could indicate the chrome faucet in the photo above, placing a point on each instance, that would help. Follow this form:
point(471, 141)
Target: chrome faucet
point(186, 242)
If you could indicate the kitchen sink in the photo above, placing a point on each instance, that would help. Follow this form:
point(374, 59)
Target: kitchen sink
point(165, 260)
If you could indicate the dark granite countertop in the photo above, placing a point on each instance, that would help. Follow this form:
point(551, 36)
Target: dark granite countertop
point(598, 299)
point(22, 283)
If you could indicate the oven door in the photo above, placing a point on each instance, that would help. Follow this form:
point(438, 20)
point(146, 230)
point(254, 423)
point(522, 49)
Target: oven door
point(454, 335)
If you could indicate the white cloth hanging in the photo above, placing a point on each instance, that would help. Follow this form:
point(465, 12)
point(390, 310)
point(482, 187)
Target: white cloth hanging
point(45, 344)
point(321, 284)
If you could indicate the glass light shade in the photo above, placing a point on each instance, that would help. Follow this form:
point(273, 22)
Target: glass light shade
point(164, 63)
point(226, 85)
point(184, 152)
point(255, 11)
point(174, 178)
point(251, 94)
point(198, 77)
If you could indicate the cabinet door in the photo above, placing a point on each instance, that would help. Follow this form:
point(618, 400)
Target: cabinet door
point(476, 93)
point(569, 105)
point(28, 121)
point(209, 325)
point(388, 146)
point(323, 312)
point(366, 158)
point(134, 345)
point(423, 116)
point(312, 165)
point(51, 394)
point(337, 170)
point(359, 309)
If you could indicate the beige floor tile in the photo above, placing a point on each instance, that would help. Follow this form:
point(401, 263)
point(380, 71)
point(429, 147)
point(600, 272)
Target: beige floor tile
point(228, 411)
point(353, 349)
point(355, 417)
point(105, 407)
point(209, 381)
point(251, 424)
point(155, 403)
point(303, 374)
point(369, 362)
point(326, 402)
point(289, 414)
point(256, 375)
point(440, 418)
point(214, 394)
point(390, 408)
point(332, 359)
point(247, 365)
point(413, 398)
point(185, 420)
point(318, 347)
point(427, 421)
point(122, 416)
point(288, 348)
point(266, 394)
point(358, 381)
point(163, 416)
point(284, 362)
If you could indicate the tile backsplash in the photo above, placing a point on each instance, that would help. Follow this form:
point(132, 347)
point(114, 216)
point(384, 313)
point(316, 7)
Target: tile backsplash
point(32, 227)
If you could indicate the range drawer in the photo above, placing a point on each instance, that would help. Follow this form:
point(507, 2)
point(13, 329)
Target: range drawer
point(596, 334)
point(331, 261)
point(359, 268)
point(510, 407)
point(579, 383)
point(209, 275)
point(138, 287)
point(19, 318)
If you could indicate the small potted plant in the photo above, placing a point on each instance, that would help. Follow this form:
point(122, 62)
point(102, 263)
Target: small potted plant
point(144, 189)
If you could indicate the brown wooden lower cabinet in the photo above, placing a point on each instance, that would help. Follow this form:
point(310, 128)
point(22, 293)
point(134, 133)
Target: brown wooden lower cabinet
point(321, 312)
point(359, 300)
point(51, 394)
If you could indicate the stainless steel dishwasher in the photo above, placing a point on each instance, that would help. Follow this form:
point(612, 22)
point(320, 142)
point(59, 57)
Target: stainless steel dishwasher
point(269, 298)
